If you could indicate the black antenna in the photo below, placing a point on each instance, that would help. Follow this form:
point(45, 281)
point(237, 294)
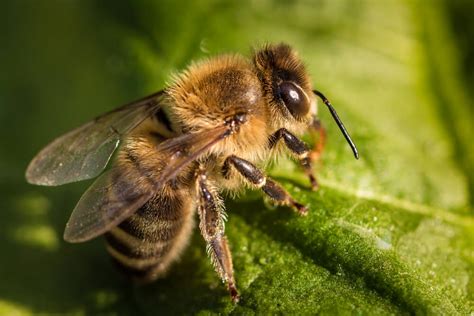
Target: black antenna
point(339, 123)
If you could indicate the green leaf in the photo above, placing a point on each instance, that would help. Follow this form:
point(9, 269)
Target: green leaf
point(391, 233)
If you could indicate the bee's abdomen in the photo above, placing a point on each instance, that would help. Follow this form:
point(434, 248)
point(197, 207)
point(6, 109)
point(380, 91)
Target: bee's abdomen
point(145, 244)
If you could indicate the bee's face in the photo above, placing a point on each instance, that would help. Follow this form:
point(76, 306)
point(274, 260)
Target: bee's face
point(286, 85)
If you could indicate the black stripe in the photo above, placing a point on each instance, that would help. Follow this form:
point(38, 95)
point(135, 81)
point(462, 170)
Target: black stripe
point(162, 207)
point(134, 253)
point(163, 118)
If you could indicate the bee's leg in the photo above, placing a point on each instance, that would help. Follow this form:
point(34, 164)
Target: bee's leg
point(299, 148)
point(211, 215)
point(255, 176)
point(318, 131)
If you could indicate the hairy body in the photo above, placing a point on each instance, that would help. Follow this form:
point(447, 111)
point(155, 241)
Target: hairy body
point(213, 130)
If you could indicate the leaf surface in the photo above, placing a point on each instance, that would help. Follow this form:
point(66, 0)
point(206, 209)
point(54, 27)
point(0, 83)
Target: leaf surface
point(389, 234)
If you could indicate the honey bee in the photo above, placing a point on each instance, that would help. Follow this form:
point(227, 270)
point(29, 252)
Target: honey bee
point(208, 133)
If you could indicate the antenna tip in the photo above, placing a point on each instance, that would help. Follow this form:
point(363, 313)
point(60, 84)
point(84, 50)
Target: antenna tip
point(356, 152)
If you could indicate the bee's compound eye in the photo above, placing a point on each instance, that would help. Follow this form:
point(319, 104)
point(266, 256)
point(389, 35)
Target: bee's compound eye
point(294, 98)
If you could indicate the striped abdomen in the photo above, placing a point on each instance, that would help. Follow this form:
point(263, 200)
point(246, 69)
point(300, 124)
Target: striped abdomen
point(145, 244)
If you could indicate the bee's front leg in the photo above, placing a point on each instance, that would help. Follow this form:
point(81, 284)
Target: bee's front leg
point(256, 177)
point(211, 216)
point(299, 149)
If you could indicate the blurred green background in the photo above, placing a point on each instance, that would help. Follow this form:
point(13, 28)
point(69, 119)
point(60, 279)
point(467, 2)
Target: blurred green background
point(391, 233)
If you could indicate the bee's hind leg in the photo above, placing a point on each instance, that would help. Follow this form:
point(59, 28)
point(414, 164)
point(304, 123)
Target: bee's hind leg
point(212, 216)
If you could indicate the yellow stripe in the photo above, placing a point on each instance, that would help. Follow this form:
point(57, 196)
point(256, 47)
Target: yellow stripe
point(153, 228)
point(132, 262)
point(133, 242)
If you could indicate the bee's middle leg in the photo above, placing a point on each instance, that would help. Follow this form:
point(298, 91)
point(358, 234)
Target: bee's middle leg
point(255, 176)
point(211, 215)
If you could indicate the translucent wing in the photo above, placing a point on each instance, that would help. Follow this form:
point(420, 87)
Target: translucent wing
point(182, 150)
point(117, 194)
point(111, 199)
point(84, 152)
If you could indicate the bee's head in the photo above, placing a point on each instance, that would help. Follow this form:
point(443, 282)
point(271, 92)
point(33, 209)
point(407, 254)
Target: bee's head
point(286, 85)
point(287, 90)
